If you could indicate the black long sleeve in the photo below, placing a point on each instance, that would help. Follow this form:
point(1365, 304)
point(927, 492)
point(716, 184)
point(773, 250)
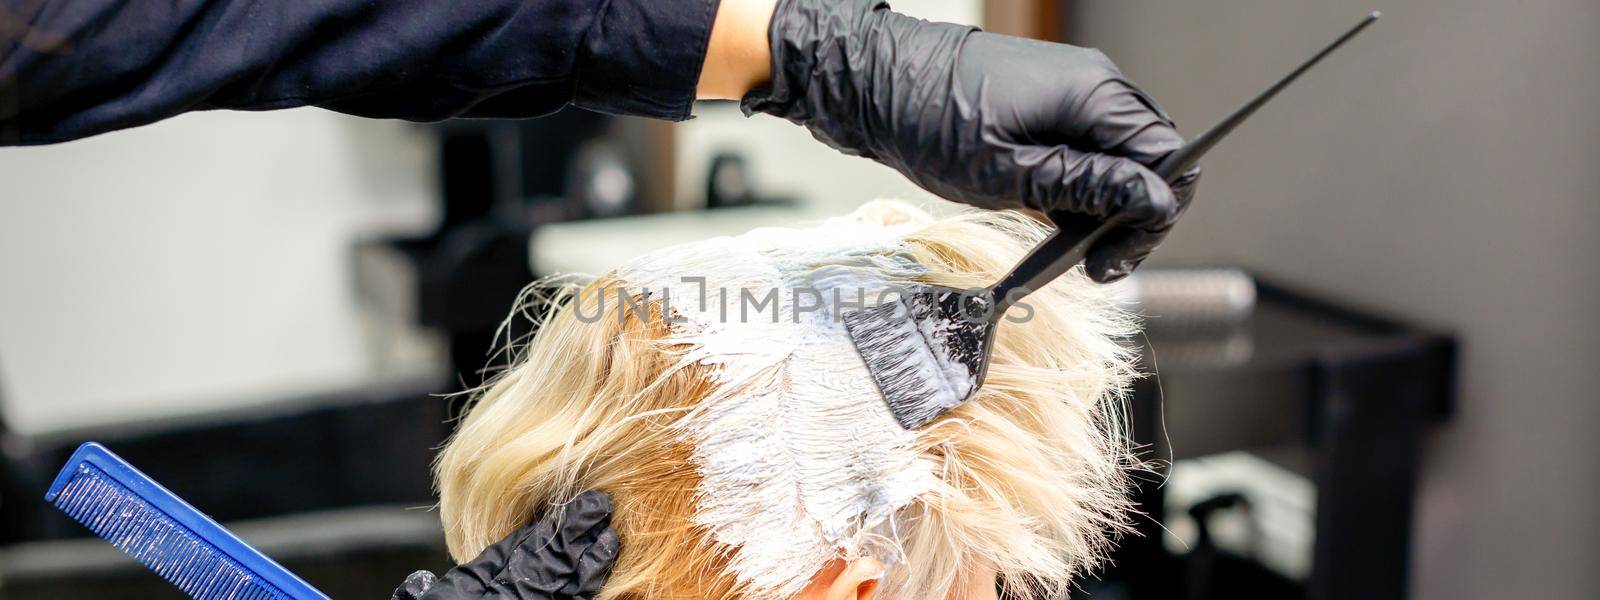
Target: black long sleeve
point(75, 68)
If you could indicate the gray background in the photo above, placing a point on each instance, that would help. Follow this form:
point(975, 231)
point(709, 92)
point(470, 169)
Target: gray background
point(1443, 168)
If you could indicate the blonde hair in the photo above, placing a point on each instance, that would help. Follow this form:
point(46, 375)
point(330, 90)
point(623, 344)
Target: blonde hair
point(1032, 473)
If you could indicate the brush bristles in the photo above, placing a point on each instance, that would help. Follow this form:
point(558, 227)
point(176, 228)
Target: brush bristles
point(908, 369)
point(174, 552)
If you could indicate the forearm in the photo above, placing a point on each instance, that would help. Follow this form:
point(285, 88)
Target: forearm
point(83, 67)
point(739, 56)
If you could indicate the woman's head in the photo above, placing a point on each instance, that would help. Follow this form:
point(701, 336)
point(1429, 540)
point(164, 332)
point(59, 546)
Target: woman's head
point(711, 389)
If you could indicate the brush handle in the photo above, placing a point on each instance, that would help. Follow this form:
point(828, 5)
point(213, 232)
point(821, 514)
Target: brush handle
point(1064, 249)
point(1069, 244)
point(1074, 236)
point(1180, 160)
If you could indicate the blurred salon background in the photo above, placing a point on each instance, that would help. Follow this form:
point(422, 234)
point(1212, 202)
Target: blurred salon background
point(1372, 342)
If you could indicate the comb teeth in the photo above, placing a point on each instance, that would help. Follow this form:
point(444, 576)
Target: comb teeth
point(121, 517)
point(901, 343)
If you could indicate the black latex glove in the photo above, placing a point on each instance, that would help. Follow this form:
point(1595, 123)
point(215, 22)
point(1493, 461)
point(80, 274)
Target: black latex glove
point(566, 558)
point(988, 120)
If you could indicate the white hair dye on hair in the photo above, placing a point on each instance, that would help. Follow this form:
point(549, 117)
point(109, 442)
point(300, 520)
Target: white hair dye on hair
point(800, 459)
point(1029, 479)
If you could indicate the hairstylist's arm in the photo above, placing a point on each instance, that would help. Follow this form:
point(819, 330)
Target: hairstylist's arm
point(70, 69)
point(989, 120)
point(565, 555)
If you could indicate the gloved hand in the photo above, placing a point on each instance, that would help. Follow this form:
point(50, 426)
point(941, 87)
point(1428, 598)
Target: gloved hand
point(565, 558)
point(988, 120)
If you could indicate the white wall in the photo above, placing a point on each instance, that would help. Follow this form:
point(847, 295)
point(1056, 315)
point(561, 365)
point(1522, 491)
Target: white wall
point(1442, 167)
point(201, 263)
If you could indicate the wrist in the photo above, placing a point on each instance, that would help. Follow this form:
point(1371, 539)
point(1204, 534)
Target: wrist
point(739, 54)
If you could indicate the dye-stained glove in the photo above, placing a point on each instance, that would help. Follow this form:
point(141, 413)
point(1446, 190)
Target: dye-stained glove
point(565, 558)
point(988, 120)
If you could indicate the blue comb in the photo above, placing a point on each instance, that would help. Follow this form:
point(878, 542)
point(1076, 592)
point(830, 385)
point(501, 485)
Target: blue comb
point(166, 534)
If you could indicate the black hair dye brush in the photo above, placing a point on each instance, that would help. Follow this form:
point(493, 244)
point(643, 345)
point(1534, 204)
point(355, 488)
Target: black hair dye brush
point(928, 351)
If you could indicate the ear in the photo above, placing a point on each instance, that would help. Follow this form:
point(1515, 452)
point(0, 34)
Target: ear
point(840, 580)
point(859, 581)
